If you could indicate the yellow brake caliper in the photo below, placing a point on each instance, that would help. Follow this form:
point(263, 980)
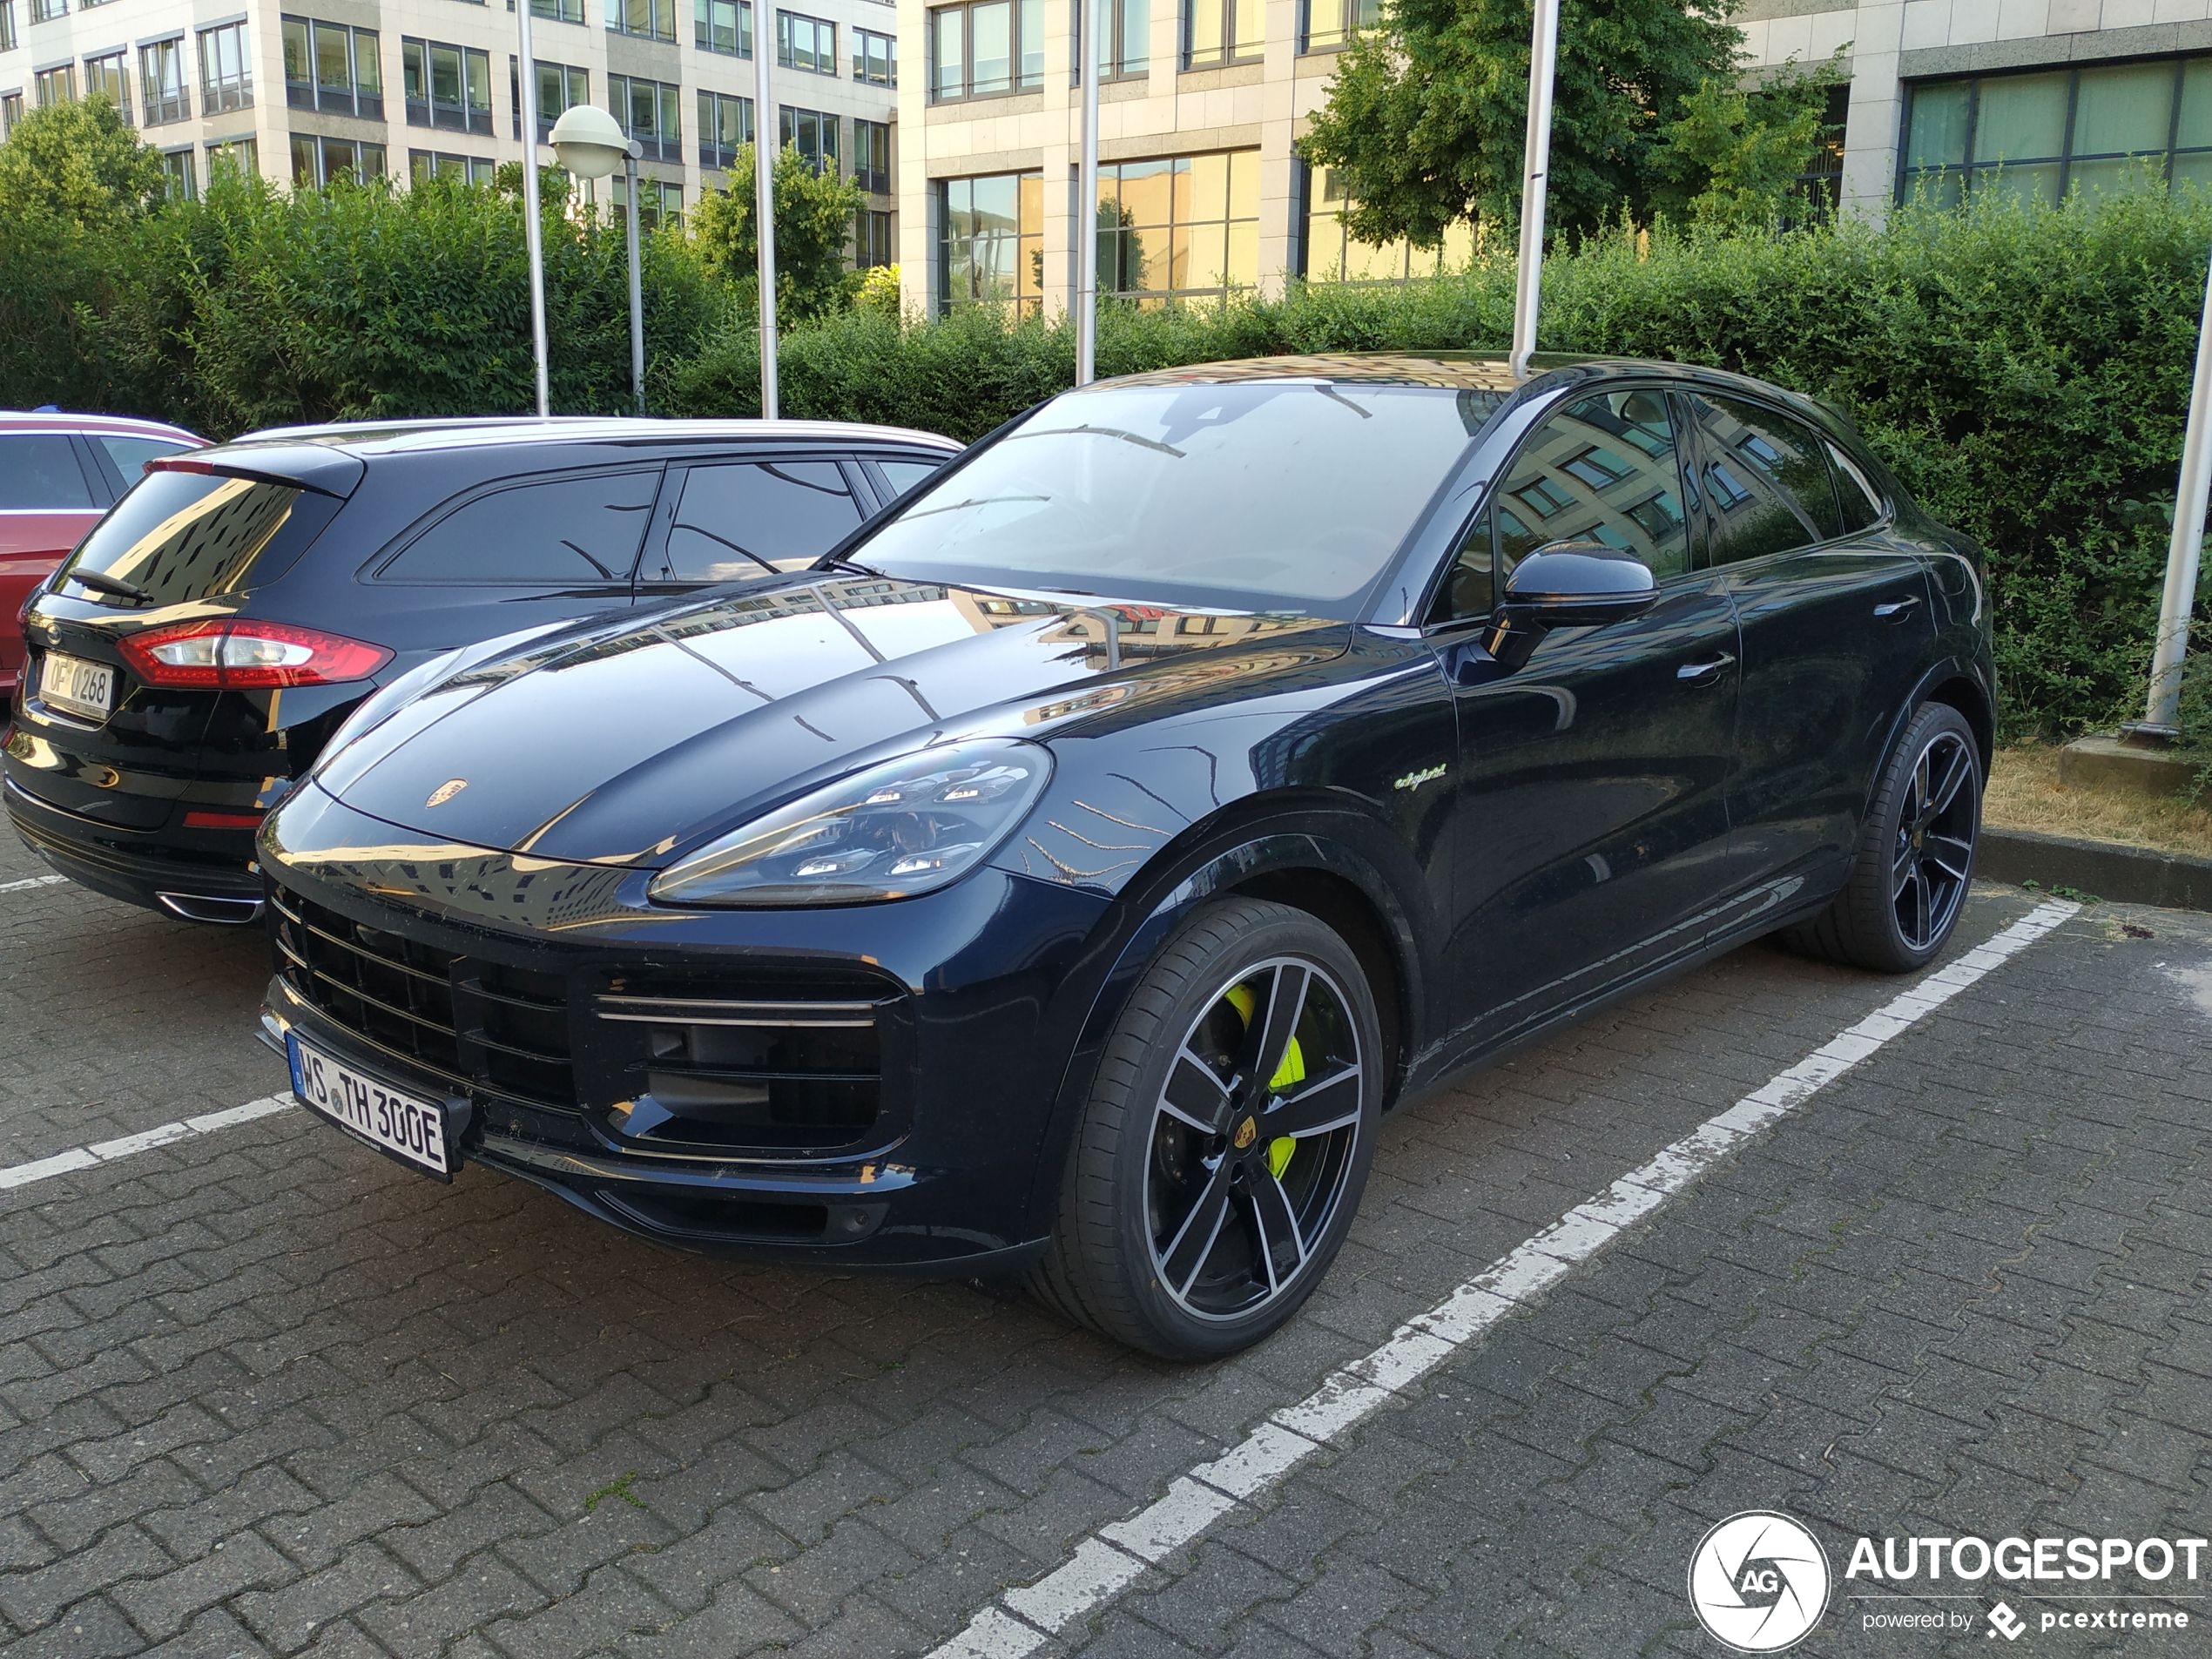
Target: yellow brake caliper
point(1292, 1071)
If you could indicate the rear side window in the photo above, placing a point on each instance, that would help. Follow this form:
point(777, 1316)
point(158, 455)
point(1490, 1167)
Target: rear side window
point(555, 532)
point(130, 456)
point(903, 475)
point(784, 511)
point(1855, 495)
point(39, 469)
point(181, 536)
point(1767, 480)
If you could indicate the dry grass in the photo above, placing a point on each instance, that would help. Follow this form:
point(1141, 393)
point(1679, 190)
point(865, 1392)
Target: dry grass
point(2024, 793)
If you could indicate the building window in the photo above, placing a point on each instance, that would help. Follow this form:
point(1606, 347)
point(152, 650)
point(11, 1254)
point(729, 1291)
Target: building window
point(55, 85)
point(649, 111)
point(446, 86)
point(551, 10)
point(875, 59)
point(241, 156)
point(1180, 227)
point(320, 161)
point(109, 75)
point(559, 87)
point(330, 67)
point(815, 133)
point(659, 202)
point(872, 240)
point(7, 25)
point(225, 70)
point(1324, 25)
point(723, 26)
point(1222, 31)
point(180, 177)
point(10, 111)
point(441, 164)
point(985, 50)
point(1124, 39)
point(1331, 254)
point(161, 82)
point(649, 19)
point(805, 42)
point(2045, 133)
point(725, 125)
point(47, 10)
point(990, 242)
point(872, 155)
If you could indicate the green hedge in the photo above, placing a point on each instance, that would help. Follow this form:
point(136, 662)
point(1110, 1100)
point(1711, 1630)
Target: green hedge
point(2023, 369)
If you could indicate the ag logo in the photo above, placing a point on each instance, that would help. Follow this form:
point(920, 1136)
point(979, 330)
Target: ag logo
point(1759, 1582)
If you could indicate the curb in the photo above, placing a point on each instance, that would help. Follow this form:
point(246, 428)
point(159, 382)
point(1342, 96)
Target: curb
point(2117, 875)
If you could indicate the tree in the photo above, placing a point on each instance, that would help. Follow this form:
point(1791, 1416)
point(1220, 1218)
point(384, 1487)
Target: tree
point(813, 232)
point(1735, 153)
point(79, 162)
point(1428, 110)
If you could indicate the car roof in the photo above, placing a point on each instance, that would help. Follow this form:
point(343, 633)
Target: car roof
point(365, 439)
point(119, 425)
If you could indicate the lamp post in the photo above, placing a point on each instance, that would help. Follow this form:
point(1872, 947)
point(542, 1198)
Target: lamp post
point(1535, 179)
point(764, 204)
point(533, 232)
point(591, 143)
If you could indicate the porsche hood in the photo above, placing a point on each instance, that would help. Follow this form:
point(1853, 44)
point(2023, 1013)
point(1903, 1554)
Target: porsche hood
point(624, 747)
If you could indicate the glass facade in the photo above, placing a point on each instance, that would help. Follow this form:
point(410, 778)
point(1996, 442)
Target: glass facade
point(55, 86)
point(328, 67)
point(875, 59)
point(242, 155)
point(813, 132)
point(440, 164)
point(1329, 254)
point(805, 42)
point(446, 86)
point(649, 19)
point(872, 155)
point(178, 174)
point(1124, 39)
point(109, 74)
point(1179, 227)
point(872, 240)
point(560, 86)
point(318, 161)
point(990, 241)
point(660, 201)
point(649, 111)
point(2048, 133)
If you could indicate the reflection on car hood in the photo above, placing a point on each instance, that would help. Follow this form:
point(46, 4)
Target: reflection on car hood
point(623, 747)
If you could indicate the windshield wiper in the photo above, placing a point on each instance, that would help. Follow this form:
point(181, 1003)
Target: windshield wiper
point(114, 586)
point(851, 567)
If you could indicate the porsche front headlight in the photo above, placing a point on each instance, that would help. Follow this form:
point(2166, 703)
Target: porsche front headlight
point(889, 831)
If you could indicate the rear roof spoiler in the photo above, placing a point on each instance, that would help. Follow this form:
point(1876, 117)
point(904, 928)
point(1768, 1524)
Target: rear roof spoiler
point(318, 467)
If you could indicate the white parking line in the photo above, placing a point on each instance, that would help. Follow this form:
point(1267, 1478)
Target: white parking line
point(1114, 1557)
point(85, 1157)
point(32, 881)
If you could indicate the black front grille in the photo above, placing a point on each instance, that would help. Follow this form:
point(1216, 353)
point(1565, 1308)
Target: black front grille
point(477, 1025)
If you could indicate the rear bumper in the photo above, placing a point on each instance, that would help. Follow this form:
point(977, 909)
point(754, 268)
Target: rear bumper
point(138, 867)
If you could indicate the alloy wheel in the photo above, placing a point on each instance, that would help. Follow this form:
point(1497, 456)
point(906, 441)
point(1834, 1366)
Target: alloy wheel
point(1252, 1139)
point(1935, 841)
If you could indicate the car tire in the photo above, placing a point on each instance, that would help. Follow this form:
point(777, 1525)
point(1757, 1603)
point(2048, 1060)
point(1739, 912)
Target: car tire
point(1915, 857)
point(1175, 1139)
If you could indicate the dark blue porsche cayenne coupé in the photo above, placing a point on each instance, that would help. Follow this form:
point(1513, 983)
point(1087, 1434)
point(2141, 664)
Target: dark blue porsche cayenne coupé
point(1064, 875)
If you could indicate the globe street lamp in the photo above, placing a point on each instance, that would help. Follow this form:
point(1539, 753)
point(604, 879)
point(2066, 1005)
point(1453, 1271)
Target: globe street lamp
point(591, 143)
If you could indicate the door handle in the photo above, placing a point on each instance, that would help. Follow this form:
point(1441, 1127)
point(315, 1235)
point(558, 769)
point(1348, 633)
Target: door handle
point(1891, 610)
point(1704, 673)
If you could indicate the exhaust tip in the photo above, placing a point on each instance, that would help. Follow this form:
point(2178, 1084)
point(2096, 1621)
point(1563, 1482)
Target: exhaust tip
point(221, 912)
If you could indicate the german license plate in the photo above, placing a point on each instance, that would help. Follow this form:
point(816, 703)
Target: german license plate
point(75, 686)
point(410, 1130)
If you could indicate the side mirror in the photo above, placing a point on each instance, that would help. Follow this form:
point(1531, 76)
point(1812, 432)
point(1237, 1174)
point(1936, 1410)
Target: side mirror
point(1568, 585)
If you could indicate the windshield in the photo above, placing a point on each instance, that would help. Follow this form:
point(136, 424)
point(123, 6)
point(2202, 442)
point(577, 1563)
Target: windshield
point(1280, 494)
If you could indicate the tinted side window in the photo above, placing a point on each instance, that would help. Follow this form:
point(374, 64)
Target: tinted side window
point(789, 511)
point(39, 469)
point(1767, 480)
point(568, 532)
point(1860, 501)
point(903, 475)
point(1603, 470)
point(130, 456)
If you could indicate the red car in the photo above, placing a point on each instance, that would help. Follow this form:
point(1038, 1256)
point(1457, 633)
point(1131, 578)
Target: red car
point(58, 472)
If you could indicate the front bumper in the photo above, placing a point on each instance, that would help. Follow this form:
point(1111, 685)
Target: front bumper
point(562, 1036)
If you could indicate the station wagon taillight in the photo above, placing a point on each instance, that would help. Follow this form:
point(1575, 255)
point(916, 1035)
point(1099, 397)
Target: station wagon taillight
point(247, 655)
